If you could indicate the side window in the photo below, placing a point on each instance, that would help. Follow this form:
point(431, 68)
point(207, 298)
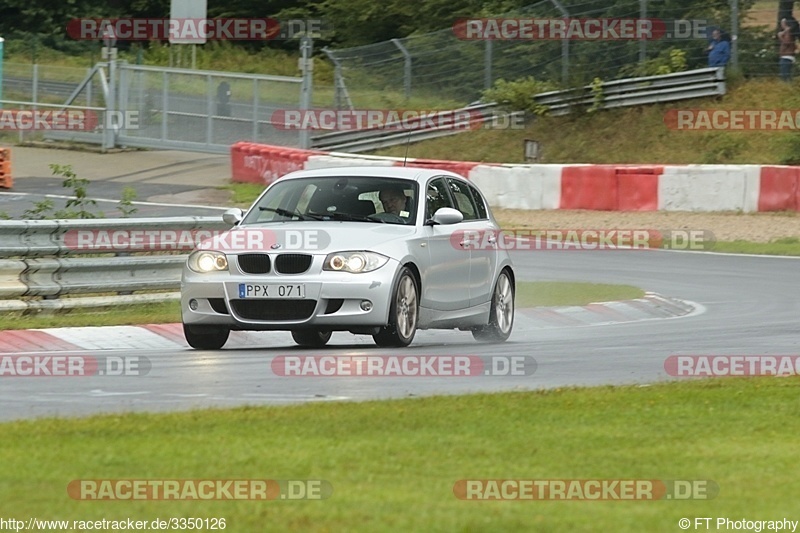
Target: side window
point(436, 197)
point(463, 198)
point(482, 212)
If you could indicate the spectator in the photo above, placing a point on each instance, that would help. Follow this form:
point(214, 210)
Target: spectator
point(787, 49)
point(719, 50)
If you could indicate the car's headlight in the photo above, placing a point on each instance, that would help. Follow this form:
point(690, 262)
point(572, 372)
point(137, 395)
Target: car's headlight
point(354, 262)
point(204, 261)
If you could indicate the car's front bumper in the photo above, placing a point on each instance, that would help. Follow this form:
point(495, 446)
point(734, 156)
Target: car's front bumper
point(332, 300)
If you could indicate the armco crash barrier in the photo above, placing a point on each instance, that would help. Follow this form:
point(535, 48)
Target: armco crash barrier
point(6, 180)
point(746, 188)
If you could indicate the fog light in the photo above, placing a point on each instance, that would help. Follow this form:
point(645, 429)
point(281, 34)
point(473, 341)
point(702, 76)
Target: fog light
point(193, 305)
point(366, 305)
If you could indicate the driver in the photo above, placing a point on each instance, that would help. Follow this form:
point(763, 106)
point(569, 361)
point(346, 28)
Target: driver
point(393, 200)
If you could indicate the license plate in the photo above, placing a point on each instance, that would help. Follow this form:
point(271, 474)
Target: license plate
point(272, 290)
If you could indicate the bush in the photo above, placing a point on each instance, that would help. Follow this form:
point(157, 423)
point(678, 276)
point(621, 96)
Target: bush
point(519, 95)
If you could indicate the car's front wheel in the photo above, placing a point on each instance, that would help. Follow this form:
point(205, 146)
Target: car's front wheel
point(501, 315)
point(403, 313)
point(312, 338)
point(206, 337)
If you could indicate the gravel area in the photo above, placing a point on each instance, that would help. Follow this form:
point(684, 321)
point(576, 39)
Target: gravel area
point(756, 227)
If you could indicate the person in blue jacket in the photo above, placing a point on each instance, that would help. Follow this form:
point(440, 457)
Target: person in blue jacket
point(719, 50)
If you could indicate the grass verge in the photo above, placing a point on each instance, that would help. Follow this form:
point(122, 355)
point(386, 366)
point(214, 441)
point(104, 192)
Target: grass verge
point(154, 313)
point(698, 430)
point(557, 293)
point(783, 246)
point(529, 294)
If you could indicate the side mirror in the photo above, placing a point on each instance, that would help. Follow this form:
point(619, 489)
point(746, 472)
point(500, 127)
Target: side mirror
point(446, 216)
point(233, 216)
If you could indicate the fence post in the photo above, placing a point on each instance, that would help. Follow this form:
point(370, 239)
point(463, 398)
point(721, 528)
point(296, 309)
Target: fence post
point(734, 34)
point(642, 41)
point(487, 65)
point(109, 136)
point(164, 104)
point(255, 109)
point(340, 96)
point(89, 88)
point(564, 45)
point(1, 68)
point(306, 49)
point(209, 109)
point(407, 69)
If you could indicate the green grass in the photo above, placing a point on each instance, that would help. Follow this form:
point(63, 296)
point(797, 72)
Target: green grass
point(783, 246)
point(155, 313)
point(633, 135)
point(393, 464)
point(558, 293)
point(529, 294)
point(244, 194)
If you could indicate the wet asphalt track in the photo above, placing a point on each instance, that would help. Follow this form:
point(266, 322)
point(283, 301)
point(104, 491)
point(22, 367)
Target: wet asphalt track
point(749, 305)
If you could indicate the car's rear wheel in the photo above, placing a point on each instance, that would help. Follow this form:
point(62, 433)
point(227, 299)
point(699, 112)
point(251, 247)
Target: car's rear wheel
point(206, 337)
point(403, 313)
point(312, 338)
point(501, 315)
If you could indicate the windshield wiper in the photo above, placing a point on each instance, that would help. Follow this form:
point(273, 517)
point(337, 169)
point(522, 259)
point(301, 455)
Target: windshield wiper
point(287, 213)
point(359, 218)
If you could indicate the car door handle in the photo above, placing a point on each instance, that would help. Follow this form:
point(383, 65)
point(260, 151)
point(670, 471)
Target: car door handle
point(490, 240)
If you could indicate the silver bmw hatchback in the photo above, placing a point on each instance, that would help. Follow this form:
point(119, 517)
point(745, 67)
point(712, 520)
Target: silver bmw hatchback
point(381, 251)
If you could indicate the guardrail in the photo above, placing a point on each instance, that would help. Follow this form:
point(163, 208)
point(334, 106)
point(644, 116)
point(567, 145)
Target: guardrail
point(613, 94)
point(449, 122)
point(638, 91)
point(37, 267)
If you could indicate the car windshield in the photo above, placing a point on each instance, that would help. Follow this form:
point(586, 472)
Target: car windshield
point(338, 198)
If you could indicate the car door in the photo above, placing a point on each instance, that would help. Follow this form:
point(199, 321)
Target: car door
point(445, 281)
point(483, 253)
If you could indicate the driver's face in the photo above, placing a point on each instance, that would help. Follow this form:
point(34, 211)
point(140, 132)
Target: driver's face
point(392, 202)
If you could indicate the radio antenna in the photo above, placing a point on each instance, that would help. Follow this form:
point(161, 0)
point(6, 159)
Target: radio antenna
point(405, 159)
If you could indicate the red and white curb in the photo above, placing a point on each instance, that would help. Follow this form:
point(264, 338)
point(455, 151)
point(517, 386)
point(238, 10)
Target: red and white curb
point(170, 336)
point(651, 307)
point(655, 187)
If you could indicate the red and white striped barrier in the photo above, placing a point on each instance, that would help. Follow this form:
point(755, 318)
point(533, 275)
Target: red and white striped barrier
point(746, 188)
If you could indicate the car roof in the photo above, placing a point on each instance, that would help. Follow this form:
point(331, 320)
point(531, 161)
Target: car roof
point(409, 173)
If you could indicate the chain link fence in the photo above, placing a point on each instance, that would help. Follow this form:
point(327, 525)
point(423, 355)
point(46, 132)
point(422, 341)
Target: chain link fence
point(441, 68)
